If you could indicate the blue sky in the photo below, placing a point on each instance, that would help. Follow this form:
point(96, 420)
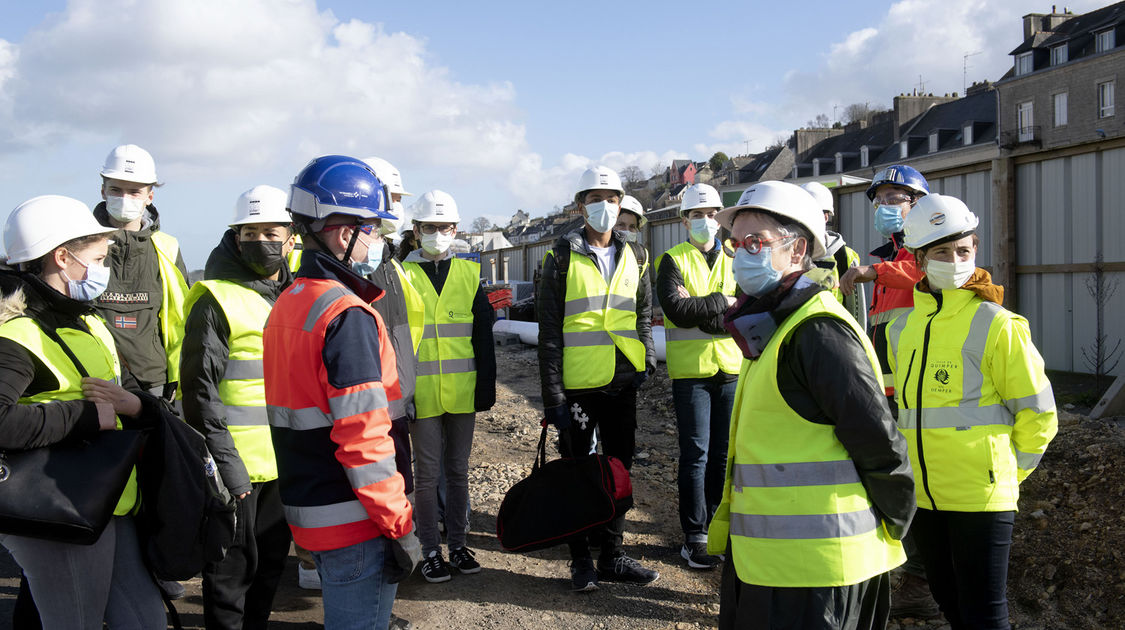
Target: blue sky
point(500, 104)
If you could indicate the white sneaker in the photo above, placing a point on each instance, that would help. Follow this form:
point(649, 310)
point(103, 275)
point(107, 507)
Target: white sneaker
point(308, 579)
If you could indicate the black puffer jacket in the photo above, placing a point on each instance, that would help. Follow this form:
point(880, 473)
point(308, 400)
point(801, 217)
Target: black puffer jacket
point(550, 310)
point(206, 351)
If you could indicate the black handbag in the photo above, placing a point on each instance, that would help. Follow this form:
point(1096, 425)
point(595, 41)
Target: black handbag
point(562, 499)
point(66, 491)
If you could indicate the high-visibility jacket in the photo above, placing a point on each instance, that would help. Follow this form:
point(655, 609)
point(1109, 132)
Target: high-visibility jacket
point(597, 318)
point(974, 402)
point(692, 353)
point(335, 458)
point(174, 291)
point(98, 355)
point(415, 306)
point(446, 372)
point(242, 389)
point(794, 508)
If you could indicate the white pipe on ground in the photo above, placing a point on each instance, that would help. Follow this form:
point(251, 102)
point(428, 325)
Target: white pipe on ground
point(529, 333)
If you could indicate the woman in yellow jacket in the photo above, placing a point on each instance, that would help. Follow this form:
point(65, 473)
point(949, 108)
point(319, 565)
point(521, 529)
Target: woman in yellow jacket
point(56, 250)
point(977, 411)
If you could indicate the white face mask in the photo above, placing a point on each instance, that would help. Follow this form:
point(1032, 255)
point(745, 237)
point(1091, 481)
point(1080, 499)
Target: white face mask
point(630, 236)
point(125, 208)
point(602, 215)
point(436, 243)
point(703, 230)
point(947, 276)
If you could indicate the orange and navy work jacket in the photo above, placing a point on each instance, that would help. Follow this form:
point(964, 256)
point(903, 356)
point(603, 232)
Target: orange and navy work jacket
point(894, 284)
point(336, 460)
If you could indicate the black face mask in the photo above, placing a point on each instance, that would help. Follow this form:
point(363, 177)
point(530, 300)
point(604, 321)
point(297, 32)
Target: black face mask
point(262, 257)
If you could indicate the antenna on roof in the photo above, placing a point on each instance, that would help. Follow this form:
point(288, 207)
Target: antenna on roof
point(965, 71)
point(921, 86)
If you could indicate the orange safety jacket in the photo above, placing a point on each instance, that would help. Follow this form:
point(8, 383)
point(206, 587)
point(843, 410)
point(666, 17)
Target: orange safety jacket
point(336, 460)
point(894, 286)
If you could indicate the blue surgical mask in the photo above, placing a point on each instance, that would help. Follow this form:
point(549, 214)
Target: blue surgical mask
point(602, 216)
point(703, 230)
point(888, 220)
point(374, 258)
point(754, 273)
point(91, 286)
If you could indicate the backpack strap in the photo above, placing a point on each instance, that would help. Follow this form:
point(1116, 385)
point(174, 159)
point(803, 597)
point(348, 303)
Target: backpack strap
point(841, 257)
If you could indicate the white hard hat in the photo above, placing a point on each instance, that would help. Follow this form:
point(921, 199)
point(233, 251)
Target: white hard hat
point(629, 203)
point(388, 174)
point(786, 200)
point(936, 218)
point(435, 206)
point(700, 196)
point(130, 163)
point(39, 225)
point(599, 178)
point(822, 195)
point(261, 204)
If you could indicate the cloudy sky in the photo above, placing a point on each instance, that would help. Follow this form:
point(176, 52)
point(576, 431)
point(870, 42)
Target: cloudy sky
point(501, 104)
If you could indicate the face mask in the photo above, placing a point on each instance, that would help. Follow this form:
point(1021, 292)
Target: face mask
point(947, 276)
point(888, 220)
point(374, 258)
point(703, 230)
point(262, 257)
point(90, 287)
point(630, 236)
point(754, 273)
point(437, 243)
point(602, 215)
point(124, 208)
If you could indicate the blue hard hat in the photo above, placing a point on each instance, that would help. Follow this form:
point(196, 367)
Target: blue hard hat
point(337, 184)
point(899, 175)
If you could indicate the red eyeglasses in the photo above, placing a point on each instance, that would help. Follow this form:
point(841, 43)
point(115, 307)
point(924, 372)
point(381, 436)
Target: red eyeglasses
point(754, 243)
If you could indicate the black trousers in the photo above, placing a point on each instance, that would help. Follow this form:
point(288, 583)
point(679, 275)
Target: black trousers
point(615, 418)
point(863, 606)
point(966, 558)
point(238, 590)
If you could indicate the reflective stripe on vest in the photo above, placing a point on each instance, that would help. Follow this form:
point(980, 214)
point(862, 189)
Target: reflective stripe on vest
point(964, 428)
point(793, 507)
point(446, 372)
point(597, 318)
point(98, 355)
point(242, 388)
point(691, 352)
point(174, 290)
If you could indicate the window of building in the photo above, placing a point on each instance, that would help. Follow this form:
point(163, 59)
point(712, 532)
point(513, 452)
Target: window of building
point(839, 163)
point(1023, 64)
point(816, 167)
point(864, 156)
point(1104, 41)
point(1025, 119)
point(1060, 109)
point(903, 150)
point(933, 142)
point(967, 135)
point(1105, 98)
point(1058, 55)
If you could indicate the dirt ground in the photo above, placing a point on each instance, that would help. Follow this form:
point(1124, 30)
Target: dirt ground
point(1067, 568)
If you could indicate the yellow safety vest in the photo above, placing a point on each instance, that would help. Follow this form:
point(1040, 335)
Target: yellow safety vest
point(794, 508)
point(598, 318)
point(174, 292)
point(98, 355)
point(974, 402)
point(243, 388)
point(447, 369)
point(692, 353)
point(415, 306)
point(829, 277)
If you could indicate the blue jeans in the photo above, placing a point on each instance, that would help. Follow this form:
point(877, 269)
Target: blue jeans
point(354, 586)
point(703, 408)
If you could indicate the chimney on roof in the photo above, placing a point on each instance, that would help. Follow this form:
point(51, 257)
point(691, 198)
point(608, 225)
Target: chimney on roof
point(910, 106)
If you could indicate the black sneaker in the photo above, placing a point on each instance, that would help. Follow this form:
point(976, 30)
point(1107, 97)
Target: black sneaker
point(583, 577)
point(697, 556)
point(462, 559)
point(434, 568)
point(625, 569)
point(174, 590)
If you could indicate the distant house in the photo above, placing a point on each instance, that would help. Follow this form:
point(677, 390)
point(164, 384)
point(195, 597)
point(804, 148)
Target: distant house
point(520, 218)
point(683, 172)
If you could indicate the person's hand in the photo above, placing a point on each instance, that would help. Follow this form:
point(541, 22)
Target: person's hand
point(124, 403)
point(107, 419)
point(862, 273)
point(682, 292)
point(639, 379)
point(407, 554)
point(558, 416)
point(731, 301)
point(244, 495)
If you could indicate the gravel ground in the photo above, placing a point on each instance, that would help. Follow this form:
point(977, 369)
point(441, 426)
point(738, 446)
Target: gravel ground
point(1067, 568)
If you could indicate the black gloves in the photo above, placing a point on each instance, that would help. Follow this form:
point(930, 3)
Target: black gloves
point(558, 416)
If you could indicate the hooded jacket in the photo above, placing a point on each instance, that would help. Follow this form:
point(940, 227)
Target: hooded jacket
point(134, 294)
point(206, 350)
point(393, 309)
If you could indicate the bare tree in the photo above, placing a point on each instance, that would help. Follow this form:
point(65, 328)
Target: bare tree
point(1100, 356)
point(480, 224)
point(822, 121)
point(859, 111)
point(657, 169)
point(632, 176)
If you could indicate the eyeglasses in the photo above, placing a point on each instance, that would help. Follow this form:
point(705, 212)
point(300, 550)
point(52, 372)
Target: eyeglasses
point(430, 228)
point(892, 199)
point(366, 228)
point(754, 243)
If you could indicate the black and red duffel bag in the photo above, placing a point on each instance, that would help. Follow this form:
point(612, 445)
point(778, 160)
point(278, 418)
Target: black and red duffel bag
point(562, 499)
